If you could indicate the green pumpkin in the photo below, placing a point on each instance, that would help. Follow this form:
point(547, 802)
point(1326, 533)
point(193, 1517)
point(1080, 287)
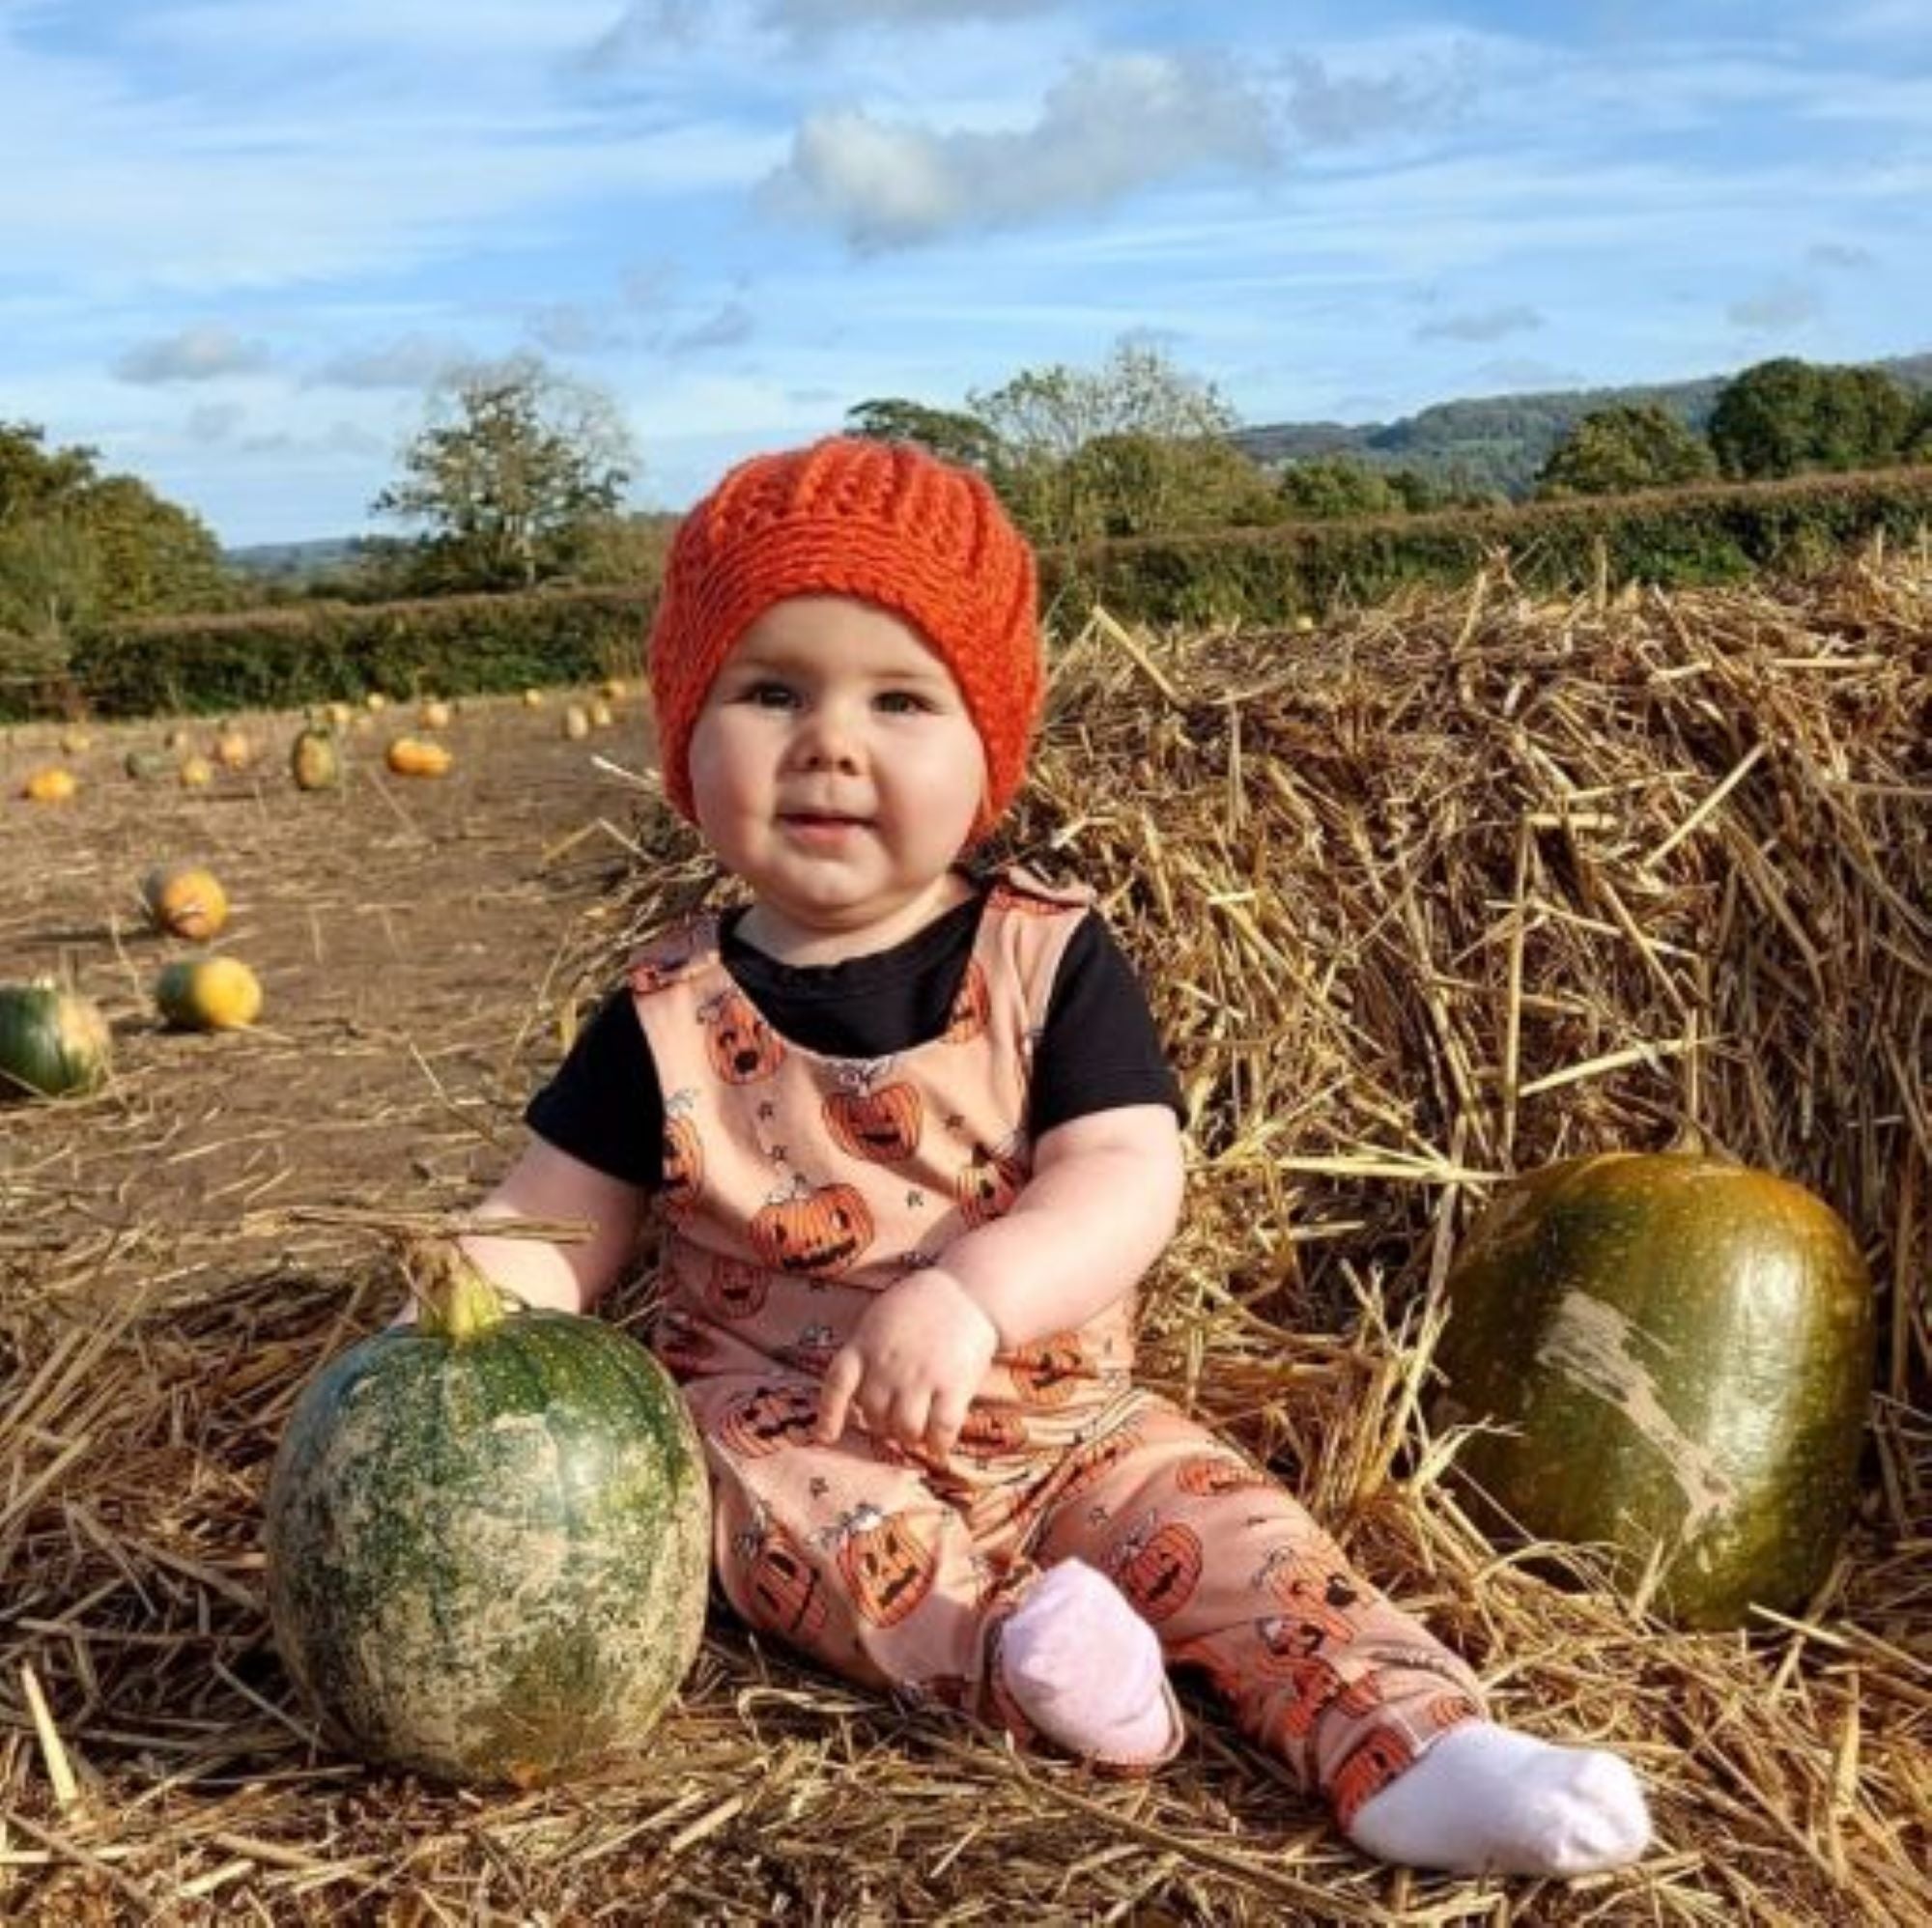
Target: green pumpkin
point(489, 1539)
point(52, 1041)
point(314, 761)
point(1683, 1352)
point(148, 766)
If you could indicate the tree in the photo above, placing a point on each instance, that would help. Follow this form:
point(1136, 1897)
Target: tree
point(1786, 416)
point(1172, 432)
point(77, 546)
point(513, 466)
point(951, 433)
point(1330, 486)
point(1633, 445)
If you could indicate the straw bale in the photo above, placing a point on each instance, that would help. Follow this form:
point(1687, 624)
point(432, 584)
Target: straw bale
point(1454, 887)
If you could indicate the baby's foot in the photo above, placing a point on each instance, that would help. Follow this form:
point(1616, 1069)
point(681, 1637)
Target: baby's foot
point(1087, 1670)
point(1487, 1799)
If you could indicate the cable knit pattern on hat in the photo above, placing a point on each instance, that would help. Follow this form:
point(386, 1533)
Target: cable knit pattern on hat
point(885, 523)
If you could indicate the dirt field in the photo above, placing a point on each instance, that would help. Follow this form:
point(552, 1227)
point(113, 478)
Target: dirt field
point(405, 931)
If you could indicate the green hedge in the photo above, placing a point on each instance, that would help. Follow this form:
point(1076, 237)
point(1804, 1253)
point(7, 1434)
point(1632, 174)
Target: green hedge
point(288, 657)
point(312, 653)
point(1675, 538)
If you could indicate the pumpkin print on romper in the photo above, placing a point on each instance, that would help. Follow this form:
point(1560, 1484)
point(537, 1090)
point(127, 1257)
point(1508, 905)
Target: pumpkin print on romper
point(735, 1289)
point(1209, 1475)
point(1093, 1459)
point(682, 1178)
point(1048, 1372)
point(872, 1118)
point(768, 1419)
point(972, 1007)
point(743, 1048)
point(821, 1229)
point(889, 1561)
point(1315, 1591)
point(787, 1589)
point(1157, 1567)
point(1369, 1769)
point(990, 1181)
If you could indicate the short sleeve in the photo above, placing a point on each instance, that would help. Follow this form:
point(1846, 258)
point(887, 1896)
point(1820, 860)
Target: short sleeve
point(1099, 1048)
point(604, 1105)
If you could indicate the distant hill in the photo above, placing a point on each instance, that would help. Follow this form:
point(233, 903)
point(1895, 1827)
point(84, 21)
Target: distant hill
point(1500, 441)
point(293, 562)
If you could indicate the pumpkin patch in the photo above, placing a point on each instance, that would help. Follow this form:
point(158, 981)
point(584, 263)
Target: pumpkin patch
point(1677, 1352)
point(488, 1538)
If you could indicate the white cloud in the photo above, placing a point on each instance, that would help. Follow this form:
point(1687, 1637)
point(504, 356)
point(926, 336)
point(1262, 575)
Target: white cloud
point(1778, 309)
point(207, 353)
point(1482, 325)
point(1112, 126)
point(411, 361)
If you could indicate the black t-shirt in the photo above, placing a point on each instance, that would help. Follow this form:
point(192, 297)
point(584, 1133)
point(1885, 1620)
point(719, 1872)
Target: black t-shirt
point(1098, 1049)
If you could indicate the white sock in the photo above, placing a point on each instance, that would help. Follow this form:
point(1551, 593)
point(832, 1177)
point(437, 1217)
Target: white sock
point(1487, 1799)
point(1087, 1669)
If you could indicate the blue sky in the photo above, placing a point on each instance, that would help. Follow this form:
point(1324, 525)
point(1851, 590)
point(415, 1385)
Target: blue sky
point(239, 238)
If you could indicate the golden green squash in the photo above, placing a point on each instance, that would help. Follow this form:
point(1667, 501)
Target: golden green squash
point(1681, 1349)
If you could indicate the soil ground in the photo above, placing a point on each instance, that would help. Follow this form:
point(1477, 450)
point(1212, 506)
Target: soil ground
point(408, 934)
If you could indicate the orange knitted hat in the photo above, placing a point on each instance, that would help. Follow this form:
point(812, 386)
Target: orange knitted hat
point(883, 521)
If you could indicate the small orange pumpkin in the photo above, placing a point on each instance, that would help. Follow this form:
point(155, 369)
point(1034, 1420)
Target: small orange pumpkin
point(416, 757)
point(185, 900)
point(49, 786)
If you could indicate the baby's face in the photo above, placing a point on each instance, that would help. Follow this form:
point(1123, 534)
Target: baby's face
point(835, 768)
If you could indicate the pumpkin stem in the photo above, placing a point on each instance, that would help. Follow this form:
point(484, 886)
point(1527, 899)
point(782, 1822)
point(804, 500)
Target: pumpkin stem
point(456, 1302)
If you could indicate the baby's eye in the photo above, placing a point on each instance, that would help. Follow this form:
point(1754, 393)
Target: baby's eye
point(767, 694)
point(902, 702)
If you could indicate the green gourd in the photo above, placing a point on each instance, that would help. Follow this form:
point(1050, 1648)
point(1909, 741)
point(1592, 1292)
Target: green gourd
point(489, 1539)
point(54, 1042)
point(1680, 1353)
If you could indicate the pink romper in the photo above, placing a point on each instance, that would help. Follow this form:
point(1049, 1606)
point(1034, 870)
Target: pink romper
point(797, 1186)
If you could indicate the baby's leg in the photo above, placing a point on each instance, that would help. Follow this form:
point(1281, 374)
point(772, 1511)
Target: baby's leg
point(849, 1556)
point(1353, 1695)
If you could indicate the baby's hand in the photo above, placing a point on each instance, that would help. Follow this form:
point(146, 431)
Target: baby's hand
point(911, 1364)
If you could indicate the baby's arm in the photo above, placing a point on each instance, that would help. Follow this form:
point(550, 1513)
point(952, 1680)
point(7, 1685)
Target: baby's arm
point(1100, 1208)
point(550, 1184)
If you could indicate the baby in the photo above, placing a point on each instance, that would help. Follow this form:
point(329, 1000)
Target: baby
point(915, 1144)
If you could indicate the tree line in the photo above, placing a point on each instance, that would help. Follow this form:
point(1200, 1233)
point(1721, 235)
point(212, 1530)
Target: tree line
point(516, 478)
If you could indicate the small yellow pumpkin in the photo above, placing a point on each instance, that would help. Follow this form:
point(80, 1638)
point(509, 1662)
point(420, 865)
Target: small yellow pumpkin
point(185, 900)
point(314, 761)
point(600, 715)
point(435, 713)
point(415, 756)
point(612, 688)
point(576, 723)
point(196, 772)
point(208, 994)
point(376, 700)
point(50, 784)
point(73, 740)
point(233, 749)
point(533, 700)
point(339, 715)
